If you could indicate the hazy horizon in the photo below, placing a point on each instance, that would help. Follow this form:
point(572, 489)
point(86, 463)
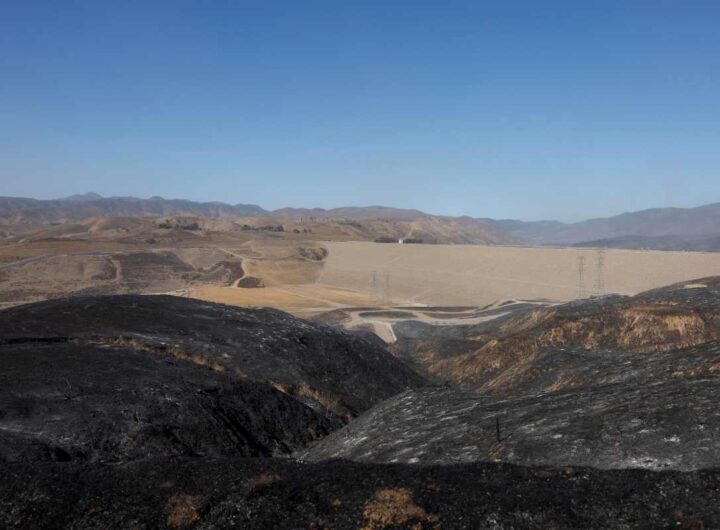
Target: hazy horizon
point(559, 111)
point(343, 206)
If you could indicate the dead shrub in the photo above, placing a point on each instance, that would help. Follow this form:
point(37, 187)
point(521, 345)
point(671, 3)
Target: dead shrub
point(394, 507)
point(184, 510)
point(259, 481)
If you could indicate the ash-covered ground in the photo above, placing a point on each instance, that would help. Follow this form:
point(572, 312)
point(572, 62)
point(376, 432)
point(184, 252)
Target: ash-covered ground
point(164, 412)
point(272, 493)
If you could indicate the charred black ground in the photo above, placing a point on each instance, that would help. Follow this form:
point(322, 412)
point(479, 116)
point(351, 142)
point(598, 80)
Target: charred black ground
point(615, 382)
point(142, 411)
point(123, 377)
point(327, 368)
point(276, 493)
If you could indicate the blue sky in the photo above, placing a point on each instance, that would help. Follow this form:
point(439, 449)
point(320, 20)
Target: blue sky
point(527, 110)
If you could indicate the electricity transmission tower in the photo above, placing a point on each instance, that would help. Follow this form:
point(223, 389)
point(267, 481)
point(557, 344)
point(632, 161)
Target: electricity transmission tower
point(581, 276)
point(600, 274)
point(374, 286)
point(387, 287)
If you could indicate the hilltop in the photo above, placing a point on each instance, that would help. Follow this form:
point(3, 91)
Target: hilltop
point(114, 378)
point(656, 228)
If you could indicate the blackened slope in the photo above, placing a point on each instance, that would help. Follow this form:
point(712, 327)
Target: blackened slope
point(327, 368)
point(499, 356)
point(612, 382)
point(264, 493)
point(666, 424)
point(92, 401)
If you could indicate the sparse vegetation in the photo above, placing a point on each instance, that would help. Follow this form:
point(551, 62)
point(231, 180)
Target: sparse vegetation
point(184, 510)
point(396, 508)
point(264, 228)
point(179, 225)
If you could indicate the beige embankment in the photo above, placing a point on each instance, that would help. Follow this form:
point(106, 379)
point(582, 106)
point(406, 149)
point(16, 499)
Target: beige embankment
point(298, 299)
point(478, 275)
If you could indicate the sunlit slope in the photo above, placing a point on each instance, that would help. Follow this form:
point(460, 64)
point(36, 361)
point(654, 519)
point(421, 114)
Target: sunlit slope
point(476, 275)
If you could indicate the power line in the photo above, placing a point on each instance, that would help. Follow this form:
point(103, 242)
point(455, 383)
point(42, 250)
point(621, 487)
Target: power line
point(581, 276)
point(600, 273)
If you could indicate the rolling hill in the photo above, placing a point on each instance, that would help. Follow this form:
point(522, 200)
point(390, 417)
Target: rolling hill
point(657, 228)
point(686, 223)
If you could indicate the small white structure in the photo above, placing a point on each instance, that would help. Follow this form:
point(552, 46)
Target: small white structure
point(401, 241)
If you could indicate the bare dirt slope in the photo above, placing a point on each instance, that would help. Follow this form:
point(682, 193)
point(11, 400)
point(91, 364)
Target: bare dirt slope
point(107, 255)
point(131, 255)
point(479, 275)
point(303, 300)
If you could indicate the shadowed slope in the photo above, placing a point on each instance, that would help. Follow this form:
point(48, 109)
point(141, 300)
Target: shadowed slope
point(326, 367)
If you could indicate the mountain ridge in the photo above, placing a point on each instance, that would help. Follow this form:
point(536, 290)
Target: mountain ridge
point(696, 222)
point(683, 225)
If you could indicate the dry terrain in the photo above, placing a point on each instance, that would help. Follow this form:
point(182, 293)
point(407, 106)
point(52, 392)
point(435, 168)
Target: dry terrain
point(200, 256)
point(302, 299)
point(479, 275)
point(306, 265)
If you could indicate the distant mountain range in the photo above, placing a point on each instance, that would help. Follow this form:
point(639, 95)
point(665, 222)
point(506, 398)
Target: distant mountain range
point(672, 242)
point(84, 206)
point(658, 228)
point(77, 207)
point(352, 213)
point(654, 228)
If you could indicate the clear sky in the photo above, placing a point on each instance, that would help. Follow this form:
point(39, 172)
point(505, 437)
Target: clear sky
point(526, 110)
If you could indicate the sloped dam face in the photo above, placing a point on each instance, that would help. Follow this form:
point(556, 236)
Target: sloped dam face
point(478, 275)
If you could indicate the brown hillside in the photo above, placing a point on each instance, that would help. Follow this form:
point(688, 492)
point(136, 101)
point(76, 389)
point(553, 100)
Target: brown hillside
point(504, 358)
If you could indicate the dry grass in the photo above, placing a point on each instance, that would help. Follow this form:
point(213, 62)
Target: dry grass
point(288, 272)
point(184, 510)
point(257, 482)
point(330, 402)
point(698, 371)
point(395, 507)
point(565, 383)
point(172, 351)
point(288, 298)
